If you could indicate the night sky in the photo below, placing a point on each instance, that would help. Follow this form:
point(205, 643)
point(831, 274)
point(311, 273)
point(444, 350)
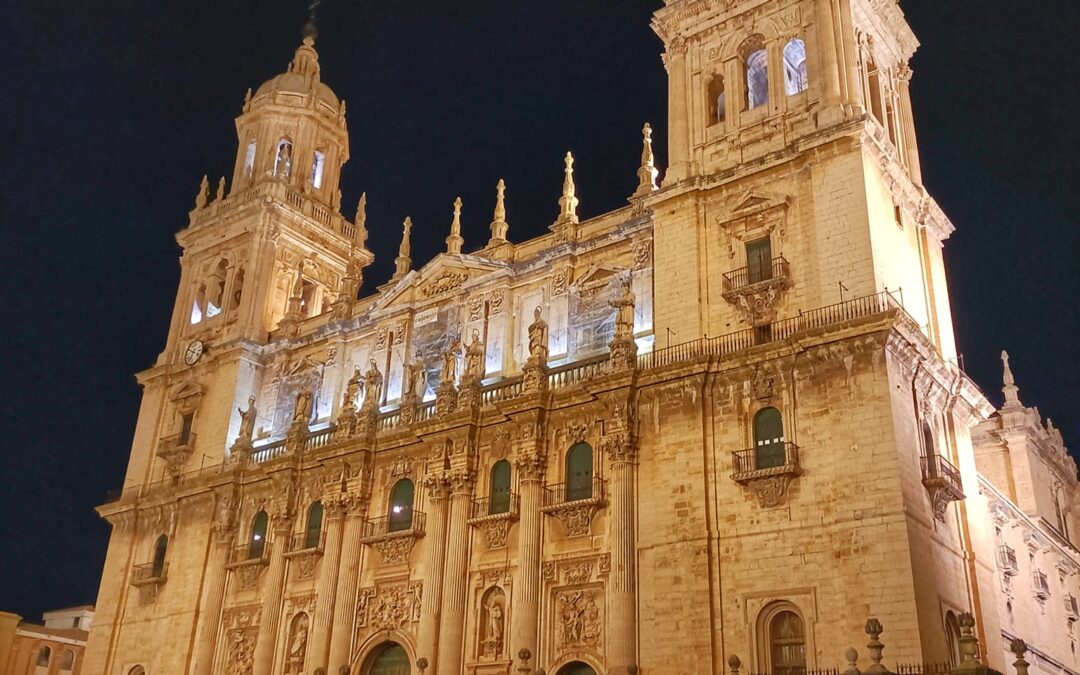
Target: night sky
point(114, 110)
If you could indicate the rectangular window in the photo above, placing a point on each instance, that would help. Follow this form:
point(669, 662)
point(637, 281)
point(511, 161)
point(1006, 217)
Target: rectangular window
point(758, 260)
point(185, 428)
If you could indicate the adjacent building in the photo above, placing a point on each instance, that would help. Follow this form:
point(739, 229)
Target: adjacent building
point(53, 648)
point(522, 448)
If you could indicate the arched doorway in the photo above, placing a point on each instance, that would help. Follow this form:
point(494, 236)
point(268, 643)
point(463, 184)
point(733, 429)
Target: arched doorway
point(388, 658)
point(576, 668)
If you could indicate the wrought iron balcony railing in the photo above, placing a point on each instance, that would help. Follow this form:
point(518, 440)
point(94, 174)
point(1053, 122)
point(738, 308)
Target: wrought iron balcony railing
point(777, 268)
point(764, 460)
point(942, 480)
point(502, 505)
point(250, 553)
point(1040, 585)
point(149, 574)
point(563, 494)
point(1009, 563)
point(308, 541)
point(406, 523)
point(1072, 609)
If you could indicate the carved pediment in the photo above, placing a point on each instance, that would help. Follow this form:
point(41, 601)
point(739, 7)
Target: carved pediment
point(187, 394)
point(598, 276)
point(752, 203)
point(444, 275)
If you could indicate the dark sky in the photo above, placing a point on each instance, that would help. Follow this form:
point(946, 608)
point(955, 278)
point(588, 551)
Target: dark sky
point(114, 110)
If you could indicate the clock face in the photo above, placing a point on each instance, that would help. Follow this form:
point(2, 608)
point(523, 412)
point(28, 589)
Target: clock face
point(193, 352)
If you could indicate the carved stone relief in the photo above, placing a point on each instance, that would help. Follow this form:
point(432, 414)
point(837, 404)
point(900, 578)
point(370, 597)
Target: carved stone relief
point(578, 619)
point(390, 606)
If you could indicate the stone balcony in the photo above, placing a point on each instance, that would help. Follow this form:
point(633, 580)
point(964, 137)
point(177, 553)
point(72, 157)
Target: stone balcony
point(757, 289)
point(494, 515)
point(176, 450)
point(575, 504)
point(395, 535)
point(1010, 566)
point(767, 470)
point(304, 551)
point(149, 574)
point(248, 561)
point(942, 480)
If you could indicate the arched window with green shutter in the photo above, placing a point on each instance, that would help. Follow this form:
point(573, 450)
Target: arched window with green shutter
point(257, 541)
point(579, 472)
point(401, 505)
point(314, 526)
point(768, 439)
point(389, 659)
point(160, 548)
point(500, 487)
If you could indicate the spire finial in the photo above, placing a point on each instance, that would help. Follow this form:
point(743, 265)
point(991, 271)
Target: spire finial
point(361, 236)
point(247, 100)
point(647, 173)
point(455, 240)
point(1011, 391)
point(499, 226)
point(403, 262)
point(568, 203)
point(204, 193)
point(220, 190)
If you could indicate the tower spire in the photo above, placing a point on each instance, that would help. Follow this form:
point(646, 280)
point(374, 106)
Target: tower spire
point(455, 240)
point(647, 172)
point(1011, 391)
point(568, 203)
point(403, 262)
point(499, 226)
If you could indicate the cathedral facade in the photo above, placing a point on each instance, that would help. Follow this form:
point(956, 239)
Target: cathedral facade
point(501, 459)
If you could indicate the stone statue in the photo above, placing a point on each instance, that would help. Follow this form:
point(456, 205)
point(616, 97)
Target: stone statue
point(450, 356)
point(247, 422)
point(538, 336)
point(495, 627)
point(353, 388)
point(474, 357)
point(302, 412)
point(374, 382)
point(416, 376)
point(298, 647)
point(624, 311)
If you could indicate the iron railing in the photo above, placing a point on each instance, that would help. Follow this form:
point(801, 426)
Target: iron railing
point(1040, 583)
point(404, 523)
point(576, 491)
point(149, 573)
point(250, 552)
point(938, 469)
point(1071, 607)
point(771, 458)
point(1007, 556)
point(777, 268)
point(308, 541)
point(502, 504)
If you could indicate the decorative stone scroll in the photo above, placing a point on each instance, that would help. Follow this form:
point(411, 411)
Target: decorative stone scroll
point(392, 606)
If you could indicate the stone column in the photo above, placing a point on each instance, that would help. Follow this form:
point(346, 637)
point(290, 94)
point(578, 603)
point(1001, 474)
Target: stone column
point(326, 592)
point(910, 144)
point(622, 587)
point(455, 581)
point(526, 614)
point(828, 54)
point(213, 596)
point(434, 560)
point(349, 575)
point(270, 615)
point(853, 98)
point(678, 113)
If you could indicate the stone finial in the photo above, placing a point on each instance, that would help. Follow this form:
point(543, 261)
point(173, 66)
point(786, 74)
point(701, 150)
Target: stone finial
point(421, 664)
point(969, 644)
point(524, 655)
point(852, 658)
point(874, 630)
point(1018, 647)
point(361, 236)
point(455, 240)
point(499, 226)
point(220, 190)
point(403, 262)
point(734, 663)
point(568, 203)
point(247, 100)
point(647, 173)
point(204, 193)
point(296, 297)
point(1011, 391)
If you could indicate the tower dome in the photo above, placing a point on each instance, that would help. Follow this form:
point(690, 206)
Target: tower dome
point(301, 78)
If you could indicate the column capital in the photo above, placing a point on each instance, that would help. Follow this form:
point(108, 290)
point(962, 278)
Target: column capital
point(437, 484)
point(461, 481)
point(619, 447)
point(530, 466)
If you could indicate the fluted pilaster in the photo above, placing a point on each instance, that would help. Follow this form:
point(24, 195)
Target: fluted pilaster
point(319, 645)
point(348, 577)
point(452, 624)
point(213, 596)
point(270, 616)
point(678, 115)
point(622, 585)
point(525, 619)
point(828, 55)
point(434, 560)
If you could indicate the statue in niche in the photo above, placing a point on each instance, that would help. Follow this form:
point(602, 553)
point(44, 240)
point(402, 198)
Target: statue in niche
point(297, 645)
point(494, 623)
point(374, 381)
point(450, 357)
point(353, 388)
point(416, 376)
point(624, 311)
point(474, 357)
point(247, 423)
point(302, 411)
point(538, 336)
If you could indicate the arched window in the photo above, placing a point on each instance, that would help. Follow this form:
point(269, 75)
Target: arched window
point(67, 662)
point(283, 159)
point(388, 659)
point(314, 526)
point(757, 71)
point(199, 304)
point(768, 439)
point(238, 288)
point(576, 668)
point(873, 85)
point(137, 670)
point(217, 288)
point(257, 541)
point(928, 442)
point(787, 643)
point(160, 548)
point(579, 472)
point(401, 505)
point(43, 656)
point(317, 163)
point(952, 638)
point(500, 487)
point(716, 99)
point(795, 79)
point(249, 159)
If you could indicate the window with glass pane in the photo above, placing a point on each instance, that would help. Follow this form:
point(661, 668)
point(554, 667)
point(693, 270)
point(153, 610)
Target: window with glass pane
point(160, 548)
point(390, 660)
point(500, 487)
point(579, 472)
point(43, 656)
point(758, 260)
point(757, 79)
point(788, 645)
point(185, 427)
point(257, 542)
point(401, 506)
point(768, 439)
point(314, 526)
